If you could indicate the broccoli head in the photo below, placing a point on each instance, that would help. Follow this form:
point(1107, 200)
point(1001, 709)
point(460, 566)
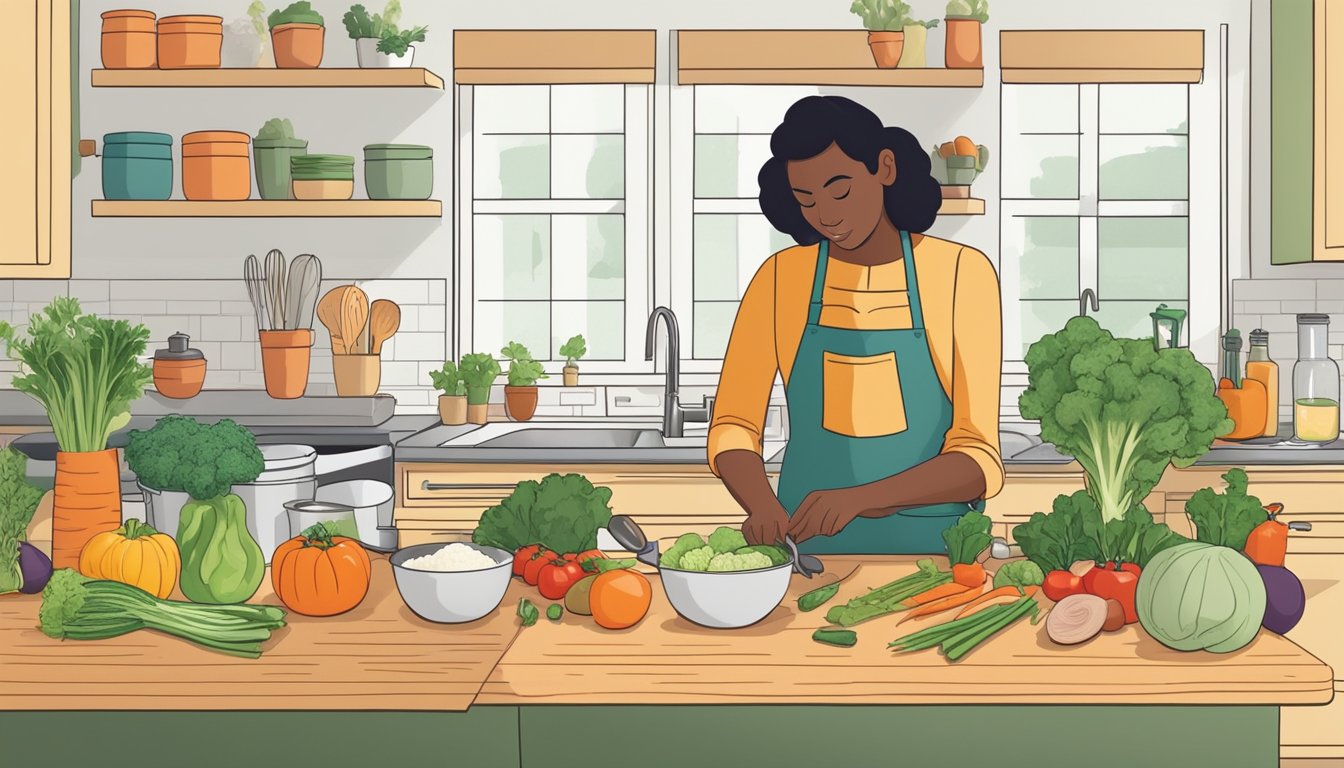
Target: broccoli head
point(687, 542)
point(734, 561)
point(1120, 407)
point(726, 539)
point(181, 454)
point(697, 559)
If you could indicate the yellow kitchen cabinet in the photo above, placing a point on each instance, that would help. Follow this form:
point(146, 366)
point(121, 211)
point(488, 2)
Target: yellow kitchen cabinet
point(36, 131)
point(1327, 239)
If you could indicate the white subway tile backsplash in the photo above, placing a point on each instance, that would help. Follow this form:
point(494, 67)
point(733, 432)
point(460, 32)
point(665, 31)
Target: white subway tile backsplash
point(404, 292)
point(39, 291)
point(1330, 289)
point(221, 328)
point(1252, 290)
point(89, 291)
point(139, 307)
point(419, 346)
point(239, 355)
point(1279, 323)
point(199, 308)
point(578, 396)
point(1260, 307)
point(438, 292)
point(400, 374)
point(433, 318)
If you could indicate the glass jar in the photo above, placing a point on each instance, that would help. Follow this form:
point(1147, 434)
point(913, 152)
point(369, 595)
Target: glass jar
point(1315, 383)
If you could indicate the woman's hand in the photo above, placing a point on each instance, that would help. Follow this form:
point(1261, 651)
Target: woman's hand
point(827, 512)
point(766, 525)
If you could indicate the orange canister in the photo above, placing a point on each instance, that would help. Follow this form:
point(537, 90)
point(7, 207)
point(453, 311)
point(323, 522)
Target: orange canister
point(128, 40)
point(190, 42)
point(215, 166)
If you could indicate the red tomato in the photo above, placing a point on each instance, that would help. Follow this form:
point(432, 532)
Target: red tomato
point(532, 570)
point(557, 577)
point(1060, 584)
point(523, 556)
point(1119, 584)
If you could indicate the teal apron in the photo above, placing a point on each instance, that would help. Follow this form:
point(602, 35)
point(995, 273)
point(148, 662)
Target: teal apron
point(819, 458)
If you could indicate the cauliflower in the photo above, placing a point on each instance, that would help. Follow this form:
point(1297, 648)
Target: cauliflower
point(746, 561)
point(697, 559)
point(726, 539)
point(685, 543)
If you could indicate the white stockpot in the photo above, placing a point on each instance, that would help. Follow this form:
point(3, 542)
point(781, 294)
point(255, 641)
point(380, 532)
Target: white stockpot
point(289, 474)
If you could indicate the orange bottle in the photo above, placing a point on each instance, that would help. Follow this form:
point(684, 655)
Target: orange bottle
point(1265, 371)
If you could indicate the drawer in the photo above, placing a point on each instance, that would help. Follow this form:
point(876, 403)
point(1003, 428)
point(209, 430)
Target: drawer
point(1313, 733)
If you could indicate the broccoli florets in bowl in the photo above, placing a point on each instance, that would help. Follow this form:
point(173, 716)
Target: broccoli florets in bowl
point(725, 551)
point(723, 582)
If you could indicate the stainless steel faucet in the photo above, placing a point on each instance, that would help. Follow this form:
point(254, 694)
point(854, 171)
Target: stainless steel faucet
point(1083, 300)
point(674, 413)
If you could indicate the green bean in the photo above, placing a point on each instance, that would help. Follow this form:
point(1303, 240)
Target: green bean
point(843, 638)
point(810, 601)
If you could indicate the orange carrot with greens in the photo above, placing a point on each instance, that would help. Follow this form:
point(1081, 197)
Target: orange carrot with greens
point(1000, 596)
point(947, 603)
point(965, 541)
point(936, 593)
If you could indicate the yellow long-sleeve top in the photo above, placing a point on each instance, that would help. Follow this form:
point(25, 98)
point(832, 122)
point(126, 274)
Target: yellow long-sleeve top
point(959, 295)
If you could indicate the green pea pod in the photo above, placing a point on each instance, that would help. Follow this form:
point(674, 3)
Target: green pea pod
point(527, 612)
point(810, 601)
point(841, 638)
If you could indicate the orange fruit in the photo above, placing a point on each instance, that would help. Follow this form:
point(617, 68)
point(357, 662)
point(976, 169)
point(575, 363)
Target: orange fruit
point(620, 598)
point(946, 149)
point(965, 147)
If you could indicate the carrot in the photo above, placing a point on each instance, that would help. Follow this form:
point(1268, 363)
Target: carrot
point(968, 574)
point(947, 603)
point(1000, 596)
point(936, 593)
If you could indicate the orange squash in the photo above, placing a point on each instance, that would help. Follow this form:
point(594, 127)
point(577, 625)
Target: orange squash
point(134, 554)
point(317, 574)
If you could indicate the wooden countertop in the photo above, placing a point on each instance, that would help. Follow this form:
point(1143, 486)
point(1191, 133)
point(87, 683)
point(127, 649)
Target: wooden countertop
point(382, 657)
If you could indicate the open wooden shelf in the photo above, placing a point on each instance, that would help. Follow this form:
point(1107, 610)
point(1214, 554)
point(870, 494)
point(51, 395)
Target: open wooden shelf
point(211, 209)
point(962, 206)
point(236, 77)
point(925, 77)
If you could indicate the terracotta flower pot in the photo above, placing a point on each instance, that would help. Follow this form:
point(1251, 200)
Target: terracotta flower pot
point(297, 45)
point(520, 402)
point(963, 44)
point(453, 409)
point(478, 413)
point(571, 373)
point(886, 47)
point(86, 502)
point(285, 356)
point(129, 40)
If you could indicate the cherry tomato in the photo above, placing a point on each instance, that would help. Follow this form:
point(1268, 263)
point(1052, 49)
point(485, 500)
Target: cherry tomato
point(1060, 584)
point(523, 556)
point(532, 570)
point(557, 577)
point(1119, 584)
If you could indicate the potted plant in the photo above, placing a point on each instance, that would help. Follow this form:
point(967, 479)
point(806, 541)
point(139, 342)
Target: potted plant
point(479, 371)
point(297, 35)
point(885, 21)
point(272, 148)
point(378, 40)
point(85, 371)
point(955, 164)
point(453, 401)
point(964, 18)
point(573, 350)
point(520, 394)
point(916, 42)
point(245, 39)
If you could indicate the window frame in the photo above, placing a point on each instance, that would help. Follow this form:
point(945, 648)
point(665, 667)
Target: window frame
point(635, 208)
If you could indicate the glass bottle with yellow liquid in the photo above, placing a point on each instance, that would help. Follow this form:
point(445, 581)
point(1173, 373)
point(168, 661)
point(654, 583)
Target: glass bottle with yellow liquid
point(1315, 383)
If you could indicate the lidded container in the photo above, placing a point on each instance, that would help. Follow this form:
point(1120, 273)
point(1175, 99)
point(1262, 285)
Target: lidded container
point(398, 171)
point(190, 42)
point(179, 370)
point(137, 165)
point(1315, 383)
point(215, 166)
point(129, 40)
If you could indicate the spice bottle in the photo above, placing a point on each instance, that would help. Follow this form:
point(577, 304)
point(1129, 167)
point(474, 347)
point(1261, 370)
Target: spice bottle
point(1264, 370)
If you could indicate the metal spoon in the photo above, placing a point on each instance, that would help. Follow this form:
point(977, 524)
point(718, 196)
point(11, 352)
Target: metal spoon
point(628, 534)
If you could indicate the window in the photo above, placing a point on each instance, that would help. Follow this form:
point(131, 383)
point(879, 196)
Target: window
point(554, 220)
point(729, 239)
point(1097, 194)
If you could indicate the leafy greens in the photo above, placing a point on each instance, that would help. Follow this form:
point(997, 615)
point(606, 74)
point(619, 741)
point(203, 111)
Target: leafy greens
point(1226, 519)
point(1074, 531)
point(18, 502)
point(561, 512)
point(967, 538)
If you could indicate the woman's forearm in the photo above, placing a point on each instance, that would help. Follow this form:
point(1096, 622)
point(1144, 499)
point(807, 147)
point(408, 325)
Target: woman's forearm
point(743, 474)
point(947, 477)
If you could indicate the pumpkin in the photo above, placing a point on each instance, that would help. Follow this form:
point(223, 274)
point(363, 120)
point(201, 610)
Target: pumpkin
point(134, 554)
point(318, 574)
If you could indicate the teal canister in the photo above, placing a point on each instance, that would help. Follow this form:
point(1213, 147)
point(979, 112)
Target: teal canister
point(398, 171)
point(137, 165)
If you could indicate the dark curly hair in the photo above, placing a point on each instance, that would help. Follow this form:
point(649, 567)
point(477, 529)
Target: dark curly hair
point(814, 123)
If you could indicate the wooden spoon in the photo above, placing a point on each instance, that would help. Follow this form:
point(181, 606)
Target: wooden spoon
point(354, 316)
point(329, 312)
point(384, 320)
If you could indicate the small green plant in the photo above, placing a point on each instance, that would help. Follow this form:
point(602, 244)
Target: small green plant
point(275, 129)
point(977, 10)
point(449, 380)
point(574, 350)
point(396, 43)
point(359, 24)
point(257, 13)
point(297, 13)
point(523, 370)
point(882, 15)
point(479, 371)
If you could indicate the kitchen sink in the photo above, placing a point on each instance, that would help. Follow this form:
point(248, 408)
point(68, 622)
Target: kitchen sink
point(563, 437)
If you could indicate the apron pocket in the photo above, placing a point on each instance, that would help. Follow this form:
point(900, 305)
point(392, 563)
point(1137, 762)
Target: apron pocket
point(862, 395)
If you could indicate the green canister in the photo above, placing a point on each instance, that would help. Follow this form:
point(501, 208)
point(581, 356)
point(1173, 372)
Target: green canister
point(398, 171)
point(137, 165)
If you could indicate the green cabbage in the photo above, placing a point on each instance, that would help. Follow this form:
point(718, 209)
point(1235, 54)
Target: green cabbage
point(221, 562)
point(1201, 597)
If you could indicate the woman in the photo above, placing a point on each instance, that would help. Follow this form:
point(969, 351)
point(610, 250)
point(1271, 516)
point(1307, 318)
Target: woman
point(887, 340)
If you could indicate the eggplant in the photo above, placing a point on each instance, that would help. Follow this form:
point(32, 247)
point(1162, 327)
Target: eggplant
point(34, 568)
point(1285, 599)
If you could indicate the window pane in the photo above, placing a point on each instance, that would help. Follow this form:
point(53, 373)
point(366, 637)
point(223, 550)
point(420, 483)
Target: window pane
point(712, 325)
point(511, 258)
point(743, 109)
point(512, 167)
point(1143, 258)
point(510, 109)
point(1143, 168)
point(587, 108)
point(726, 166)
point(499, 322)
point(602, 324)
point(588, 167)
point(1130, 319)
point(1040, 108)
point(729, 248)
point(589, 257)
point(1049, 261)
point(1040, 167)
point(1041, 317)
point(1144, 108)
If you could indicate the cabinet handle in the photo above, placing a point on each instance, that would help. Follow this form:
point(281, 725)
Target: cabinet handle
point(428, 486)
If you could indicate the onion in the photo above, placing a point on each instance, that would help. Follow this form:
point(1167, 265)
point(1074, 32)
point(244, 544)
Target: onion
point(1076, 619)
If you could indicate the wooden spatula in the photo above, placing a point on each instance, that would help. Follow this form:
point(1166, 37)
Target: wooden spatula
point(384, 320)
point(354, 317)
point(329, 312)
